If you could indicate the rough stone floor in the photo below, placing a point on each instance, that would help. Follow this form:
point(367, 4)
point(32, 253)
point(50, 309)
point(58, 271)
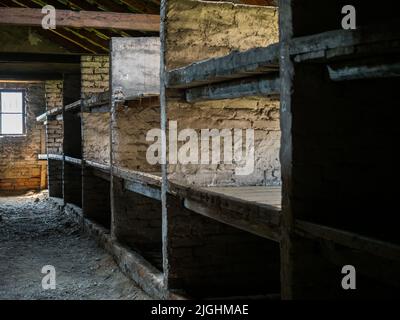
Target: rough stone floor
point(33, 233)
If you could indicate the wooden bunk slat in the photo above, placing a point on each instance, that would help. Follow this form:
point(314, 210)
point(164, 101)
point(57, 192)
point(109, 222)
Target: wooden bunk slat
point(51, 112)
point(74, 161)
point(96, 165)
point(57, 157)
point(235, 65)
point(339, 44)
point(229, 206)
point(75, 106)
point(348, 239)
point(146, 184)
point(264, 86)
point(137, 176)
point(97, 103)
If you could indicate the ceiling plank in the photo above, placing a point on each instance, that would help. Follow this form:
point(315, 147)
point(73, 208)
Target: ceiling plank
point(72, 42)
point(82, 19)
point(68, 45)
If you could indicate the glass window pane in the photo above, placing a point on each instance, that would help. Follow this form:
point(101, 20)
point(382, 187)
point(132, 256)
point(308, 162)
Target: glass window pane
point(11, 102)
point(11, 124)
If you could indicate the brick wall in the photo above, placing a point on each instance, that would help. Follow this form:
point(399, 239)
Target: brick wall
point(54, 137)
point(129, 141)
point(96, 126)
point(95, 74)
point(19, 165)
point(211, 259)
point(54, 128)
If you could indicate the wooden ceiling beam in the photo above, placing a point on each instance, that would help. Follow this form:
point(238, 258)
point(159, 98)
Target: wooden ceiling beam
point(82, 19)
point(39, 58)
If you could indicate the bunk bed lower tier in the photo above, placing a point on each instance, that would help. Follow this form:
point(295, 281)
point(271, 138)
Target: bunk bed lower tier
point(255, 209)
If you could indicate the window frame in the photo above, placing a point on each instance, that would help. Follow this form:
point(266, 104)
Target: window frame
point(22, 91)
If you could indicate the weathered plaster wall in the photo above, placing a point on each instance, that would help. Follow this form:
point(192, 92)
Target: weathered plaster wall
point(198, 30)
point(19, 165)
point(129, 140)
point(135, 71)
point(262, 115)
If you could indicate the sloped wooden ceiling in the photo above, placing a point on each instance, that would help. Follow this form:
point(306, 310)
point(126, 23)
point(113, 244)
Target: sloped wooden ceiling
point(94, 41)
point(88, 40)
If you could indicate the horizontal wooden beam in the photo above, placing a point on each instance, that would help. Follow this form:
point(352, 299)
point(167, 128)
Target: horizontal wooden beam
point(57, 157)
point(143, 189)
point(344, 44)
point(98, 166)
point(260, 219)
point(233, 66)
point(30, 76)
point(259, 87)
point(348, 239)
point(75, 106)
point(96, 100)
point(357, 71)
point(82, 19)
point(39, 58)
point(74, 161)
point(137, 176)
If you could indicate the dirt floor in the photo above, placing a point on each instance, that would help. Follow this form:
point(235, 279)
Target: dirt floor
point(33, 233)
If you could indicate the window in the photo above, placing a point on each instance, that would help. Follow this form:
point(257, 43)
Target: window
point(12, 112)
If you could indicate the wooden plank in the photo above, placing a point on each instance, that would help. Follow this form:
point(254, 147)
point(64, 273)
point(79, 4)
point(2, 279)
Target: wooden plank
point(96, 100)
point(143, 189)
point(265, 86)
point(137, 176)
point(39, 57)
point(75, 106)
point(333, 44)
point(42, 157)
point(74, 161)
point(50, 113)
point(42, 117)
point(143, 99)
point(348, 239)
point(262, 219)
point(82, 19)
point(96, 165)
point(101, 174)
point(263, 195)
point(357, 71)
point(235, 65)
point(286, 152)
point(55, 157)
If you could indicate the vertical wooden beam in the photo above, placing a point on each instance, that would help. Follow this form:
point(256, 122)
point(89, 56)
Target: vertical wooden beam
point(163, 106)
point(287, 74)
